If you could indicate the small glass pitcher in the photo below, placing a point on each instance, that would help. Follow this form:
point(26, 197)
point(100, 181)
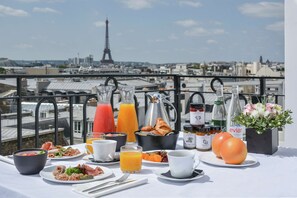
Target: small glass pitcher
point(127, 118)
point(104, 119)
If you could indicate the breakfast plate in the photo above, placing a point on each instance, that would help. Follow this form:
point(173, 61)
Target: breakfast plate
point(164, 173)
point(89, 160)
point(47, 174)
point(55, 153)
point(210, 158)
point(153, 162)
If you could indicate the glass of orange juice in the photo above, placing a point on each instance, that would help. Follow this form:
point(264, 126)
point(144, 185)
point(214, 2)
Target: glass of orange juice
point(91, 137)
point(131, 158)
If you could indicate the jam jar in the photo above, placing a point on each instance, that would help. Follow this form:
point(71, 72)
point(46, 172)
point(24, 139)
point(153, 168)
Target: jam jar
point(189, 137)
point(203, 139)
point(197, 114)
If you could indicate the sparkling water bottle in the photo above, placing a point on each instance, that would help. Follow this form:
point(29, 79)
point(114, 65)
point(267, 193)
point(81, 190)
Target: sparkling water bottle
point(219, 113)
point(234, 110)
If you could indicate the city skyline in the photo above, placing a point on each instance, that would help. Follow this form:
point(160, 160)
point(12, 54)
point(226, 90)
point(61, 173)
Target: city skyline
point(156, 31)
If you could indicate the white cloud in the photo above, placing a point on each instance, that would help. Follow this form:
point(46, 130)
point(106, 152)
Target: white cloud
point(218, 31)
point(172, 37)
point(200, 31)
point(44, 10)
point(277, 26)
point(23, 46)
point(192, 3)
point(138, 4)
point(159, 40)
point(197, 31)
point(211, 41)
point(263, 9)
point(5, 10)
point(186, 23)
point(99, 23)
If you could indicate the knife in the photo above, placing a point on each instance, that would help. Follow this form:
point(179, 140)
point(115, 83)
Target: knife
point(111, 185)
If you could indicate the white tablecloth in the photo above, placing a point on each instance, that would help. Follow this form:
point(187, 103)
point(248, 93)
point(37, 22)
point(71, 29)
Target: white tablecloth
point(274, 176)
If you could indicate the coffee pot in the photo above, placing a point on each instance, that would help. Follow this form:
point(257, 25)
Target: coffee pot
point(156, 109)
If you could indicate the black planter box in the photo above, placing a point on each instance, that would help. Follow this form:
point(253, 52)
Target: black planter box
point(266, 143)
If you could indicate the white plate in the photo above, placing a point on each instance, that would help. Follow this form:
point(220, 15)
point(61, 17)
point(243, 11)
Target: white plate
point(88, 160)
point(47, 174)
point(210, 158)
point(82, 152)
point(164, 170)
point(151, 162)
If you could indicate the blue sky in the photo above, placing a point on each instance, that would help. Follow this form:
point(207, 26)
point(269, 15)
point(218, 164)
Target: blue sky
point(157, 31)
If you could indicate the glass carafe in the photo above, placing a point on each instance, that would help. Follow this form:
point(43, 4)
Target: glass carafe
point(127, 118)
point(104, 120)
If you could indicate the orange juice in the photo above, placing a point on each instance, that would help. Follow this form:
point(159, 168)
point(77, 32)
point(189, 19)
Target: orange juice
point(89, 141)
point(127, 121)
point(130, 161)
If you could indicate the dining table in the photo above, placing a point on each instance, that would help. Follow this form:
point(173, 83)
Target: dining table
point(270, 176)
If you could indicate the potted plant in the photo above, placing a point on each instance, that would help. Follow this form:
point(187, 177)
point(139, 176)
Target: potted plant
point(262, 121)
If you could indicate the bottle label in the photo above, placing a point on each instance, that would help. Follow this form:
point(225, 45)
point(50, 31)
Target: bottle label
point(218, 102)
point(237, 131)
point(197, 118)
point(189, 140)
point(203, 142)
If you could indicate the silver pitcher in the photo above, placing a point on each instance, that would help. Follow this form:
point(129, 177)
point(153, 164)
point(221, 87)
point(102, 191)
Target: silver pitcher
point(156, 109)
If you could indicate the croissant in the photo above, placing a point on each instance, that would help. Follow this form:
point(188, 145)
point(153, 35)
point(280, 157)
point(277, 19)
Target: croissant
point(147, 128)
point(162, 127)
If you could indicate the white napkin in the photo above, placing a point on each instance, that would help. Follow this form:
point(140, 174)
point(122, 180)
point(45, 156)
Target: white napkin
point(9, 160)
point(6, 159)
point(80, 187)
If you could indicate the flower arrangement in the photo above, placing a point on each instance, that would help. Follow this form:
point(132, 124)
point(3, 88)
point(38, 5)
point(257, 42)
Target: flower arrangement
point(262, 116)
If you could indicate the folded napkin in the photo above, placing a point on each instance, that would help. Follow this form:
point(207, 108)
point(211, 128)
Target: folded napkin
point(80, 187)
point(6, 159)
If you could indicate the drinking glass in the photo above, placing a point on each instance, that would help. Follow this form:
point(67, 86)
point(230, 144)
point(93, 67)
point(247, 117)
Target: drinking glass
point(131, 158)
point(90, 138)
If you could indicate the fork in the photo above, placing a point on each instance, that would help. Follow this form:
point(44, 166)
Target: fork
point(119, 180)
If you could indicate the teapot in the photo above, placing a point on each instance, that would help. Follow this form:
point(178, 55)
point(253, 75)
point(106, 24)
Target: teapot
point(156, 109)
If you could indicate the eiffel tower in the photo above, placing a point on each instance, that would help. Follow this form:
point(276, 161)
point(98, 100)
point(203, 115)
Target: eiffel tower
point(106, 51)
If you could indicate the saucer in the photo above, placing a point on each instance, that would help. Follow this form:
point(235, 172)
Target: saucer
point(165, 174)
point(90, 160)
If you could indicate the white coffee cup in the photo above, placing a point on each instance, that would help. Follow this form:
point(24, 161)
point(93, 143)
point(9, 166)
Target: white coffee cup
point(182, 163)
point(103, 150)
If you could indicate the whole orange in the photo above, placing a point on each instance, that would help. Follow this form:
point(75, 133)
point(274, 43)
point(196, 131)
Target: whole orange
point(217, 142)
point(233, 151)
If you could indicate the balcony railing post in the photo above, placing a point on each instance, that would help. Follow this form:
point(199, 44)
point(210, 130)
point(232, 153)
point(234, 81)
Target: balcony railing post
point(19, 112)
point(0, 133)
point(262, 86)
point(177, 101)
point(71, 119)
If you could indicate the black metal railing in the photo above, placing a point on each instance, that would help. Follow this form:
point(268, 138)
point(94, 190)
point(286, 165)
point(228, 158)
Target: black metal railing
point(177, 91)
